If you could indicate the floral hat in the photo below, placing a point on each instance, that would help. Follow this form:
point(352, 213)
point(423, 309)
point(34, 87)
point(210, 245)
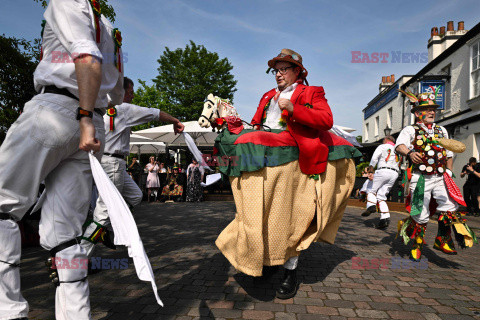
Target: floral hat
point(290, 56)
point(422, 100)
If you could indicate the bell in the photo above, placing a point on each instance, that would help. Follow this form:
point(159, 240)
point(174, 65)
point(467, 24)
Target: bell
point(49, 262)
point(53, 275)
point(56, 281)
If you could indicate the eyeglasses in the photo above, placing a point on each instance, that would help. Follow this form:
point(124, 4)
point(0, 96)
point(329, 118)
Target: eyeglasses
point(281, 70)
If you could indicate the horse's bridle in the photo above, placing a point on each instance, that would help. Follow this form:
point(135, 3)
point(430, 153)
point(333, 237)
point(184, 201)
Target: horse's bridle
point(211, 115)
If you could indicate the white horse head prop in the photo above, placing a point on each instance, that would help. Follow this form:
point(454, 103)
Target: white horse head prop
point(215, 108)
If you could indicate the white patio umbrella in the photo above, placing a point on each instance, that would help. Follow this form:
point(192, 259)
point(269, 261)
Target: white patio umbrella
point(137, 138)
point(147, 147)
point(165, 134)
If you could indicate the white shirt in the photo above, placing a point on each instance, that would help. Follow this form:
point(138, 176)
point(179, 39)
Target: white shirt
point(274, 114)
point(128, 115)
point(407, 135)
point(381, 154)
point(69, 32)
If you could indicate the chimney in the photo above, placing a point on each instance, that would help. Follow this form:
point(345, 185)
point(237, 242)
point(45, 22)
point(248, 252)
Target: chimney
point(450, 26)
point(440, 42)
point(392, 78)
point(385, 83)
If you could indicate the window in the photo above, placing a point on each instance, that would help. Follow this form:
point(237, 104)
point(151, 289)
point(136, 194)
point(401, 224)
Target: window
point(377, 124)
point(447, 104)
point(366, 132)
point(389, 119)
point(476, 69)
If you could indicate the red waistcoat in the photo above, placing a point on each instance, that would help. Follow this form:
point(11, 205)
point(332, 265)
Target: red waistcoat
point(309, 123)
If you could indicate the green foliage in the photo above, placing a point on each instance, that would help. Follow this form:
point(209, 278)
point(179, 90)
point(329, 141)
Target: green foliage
point(107, 10)
point(360, 168)
point(187, 76)
point(150, 97)
point(18, 60)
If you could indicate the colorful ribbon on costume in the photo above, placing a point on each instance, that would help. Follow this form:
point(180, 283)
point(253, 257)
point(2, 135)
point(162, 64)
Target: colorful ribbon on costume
point(97, 13)
point(117, 40)
point(418, 195)
point(112, 113)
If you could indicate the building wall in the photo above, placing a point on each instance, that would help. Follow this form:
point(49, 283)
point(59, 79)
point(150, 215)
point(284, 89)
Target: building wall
point(396, 125)
point(458, 92)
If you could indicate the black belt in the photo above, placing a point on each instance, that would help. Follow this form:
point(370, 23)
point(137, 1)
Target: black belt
point(65, 92)
point(5, 216)
point(115, 155)
point(63, 246)
point(388, 169)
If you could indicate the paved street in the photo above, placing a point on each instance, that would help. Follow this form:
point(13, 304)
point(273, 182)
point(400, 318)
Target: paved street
point(196, 282)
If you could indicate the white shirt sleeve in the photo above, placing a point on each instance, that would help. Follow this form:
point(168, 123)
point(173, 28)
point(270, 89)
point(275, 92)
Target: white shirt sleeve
point(115, 96)
point(406, 137)
point(136, 115)
point(376, 156)
point(73, 23)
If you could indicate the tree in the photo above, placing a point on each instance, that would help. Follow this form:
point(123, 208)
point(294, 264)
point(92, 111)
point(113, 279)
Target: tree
point(107, 10)
point(187, 76)
point(150, 97)
point(18, 60)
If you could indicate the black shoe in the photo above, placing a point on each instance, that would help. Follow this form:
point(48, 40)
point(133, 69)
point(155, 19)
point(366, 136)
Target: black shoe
point(383, 224)
point(369, 211)
point(289, 286)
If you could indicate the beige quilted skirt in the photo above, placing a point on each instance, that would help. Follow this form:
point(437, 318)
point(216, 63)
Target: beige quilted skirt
point(281, 211)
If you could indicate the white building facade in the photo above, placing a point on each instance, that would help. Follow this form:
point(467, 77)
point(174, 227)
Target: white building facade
point(453, 69)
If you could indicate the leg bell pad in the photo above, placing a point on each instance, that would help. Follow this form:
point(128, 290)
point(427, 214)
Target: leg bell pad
point(68, 263)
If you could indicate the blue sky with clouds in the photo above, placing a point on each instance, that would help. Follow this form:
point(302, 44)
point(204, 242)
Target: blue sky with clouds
point(249, 33)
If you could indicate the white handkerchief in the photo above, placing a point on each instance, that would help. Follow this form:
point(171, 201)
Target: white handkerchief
point(211, 179)
point(124, 226)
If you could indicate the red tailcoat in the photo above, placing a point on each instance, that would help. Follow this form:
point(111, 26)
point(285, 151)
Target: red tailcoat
point(309, 123)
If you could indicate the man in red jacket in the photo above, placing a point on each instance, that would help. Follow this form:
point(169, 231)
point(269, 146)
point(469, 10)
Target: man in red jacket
point(301, 109)
point(304, 111)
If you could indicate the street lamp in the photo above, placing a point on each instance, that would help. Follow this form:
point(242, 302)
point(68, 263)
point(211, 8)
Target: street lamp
point(387, 130)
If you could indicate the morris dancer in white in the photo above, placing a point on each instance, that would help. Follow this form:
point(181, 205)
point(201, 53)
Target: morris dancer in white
point(425, 145)
point(118, 122)
point(52, 138)
point(387, 163)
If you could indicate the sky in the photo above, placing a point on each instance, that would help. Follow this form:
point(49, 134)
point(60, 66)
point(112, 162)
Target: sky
point(249, 33)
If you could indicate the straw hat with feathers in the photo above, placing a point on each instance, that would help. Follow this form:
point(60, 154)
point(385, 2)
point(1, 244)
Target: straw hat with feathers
point(288, 55)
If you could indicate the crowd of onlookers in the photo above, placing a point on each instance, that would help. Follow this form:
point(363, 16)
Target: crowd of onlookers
point(168, 183)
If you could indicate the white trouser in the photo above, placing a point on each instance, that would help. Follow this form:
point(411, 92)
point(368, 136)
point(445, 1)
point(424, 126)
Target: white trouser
point(291, 263)
point(383, 181)
point(434, 187)
point(43, 145)
point(116, 171)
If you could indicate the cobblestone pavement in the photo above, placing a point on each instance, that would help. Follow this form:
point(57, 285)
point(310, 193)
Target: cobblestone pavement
point(196, 282)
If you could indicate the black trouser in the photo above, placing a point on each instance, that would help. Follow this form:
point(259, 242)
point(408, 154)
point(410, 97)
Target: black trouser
point(470, 193)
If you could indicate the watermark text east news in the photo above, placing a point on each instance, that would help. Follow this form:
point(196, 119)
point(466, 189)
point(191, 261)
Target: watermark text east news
point(392, 57)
